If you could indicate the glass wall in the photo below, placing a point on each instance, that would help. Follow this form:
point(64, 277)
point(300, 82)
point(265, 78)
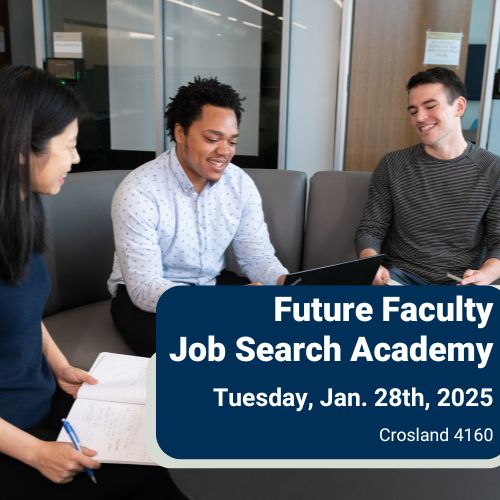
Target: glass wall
point(112, 69)
point(315, 31)
point(5, 36)
point(22, 43)
point(239, 42)
point(493, 143)
point(476, 52)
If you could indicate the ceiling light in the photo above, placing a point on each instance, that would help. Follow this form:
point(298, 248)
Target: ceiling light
point(141, 36)
point(256, 7)
point(194, 7)
point(252, 25)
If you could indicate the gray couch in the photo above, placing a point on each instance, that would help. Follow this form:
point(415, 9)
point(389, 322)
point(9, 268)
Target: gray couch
point(79, 256)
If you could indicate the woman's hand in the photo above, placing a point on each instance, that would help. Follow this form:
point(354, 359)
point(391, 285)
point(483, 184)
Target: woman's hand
point(70, 379)
point(60, 462)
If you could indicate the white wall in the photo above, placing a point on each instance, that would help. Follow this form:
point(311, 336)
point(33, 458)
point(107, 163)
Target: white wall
point(312, 92)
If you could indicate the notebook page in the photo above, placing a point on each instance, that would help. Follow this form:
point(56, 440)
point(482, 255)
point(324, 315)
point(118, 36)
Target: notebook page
point(117, 431)
point(122, 378)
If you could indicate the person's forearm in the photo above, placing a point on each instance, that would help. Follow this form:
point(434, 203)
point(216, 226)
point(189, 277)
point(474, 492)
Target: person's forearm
point(16, 443)
point(145, 296)
point(491, 269)
point(367, 252)
point(56, 359)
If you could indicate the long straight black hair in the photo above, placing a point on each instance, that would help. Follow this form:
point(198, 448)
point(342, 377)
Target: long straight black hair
point(34, 108)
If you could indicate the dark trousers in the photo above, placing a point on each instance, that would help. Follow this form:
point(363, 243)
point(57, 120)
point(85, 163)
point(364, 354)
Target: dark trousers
point(137, 482)
point(138, 327)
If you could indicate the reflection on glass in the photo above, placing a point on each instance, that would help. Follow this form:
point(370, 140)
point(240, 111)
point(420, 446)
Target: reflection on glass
point(240, 44)
point(115, 78)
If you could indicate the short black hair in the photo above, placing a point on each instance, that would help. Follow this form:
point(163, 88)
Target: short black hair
point(448, 78)
point(186, 106)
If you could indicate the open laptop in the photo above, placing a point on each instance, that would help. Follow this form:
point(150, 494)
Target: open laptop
point(355, 272)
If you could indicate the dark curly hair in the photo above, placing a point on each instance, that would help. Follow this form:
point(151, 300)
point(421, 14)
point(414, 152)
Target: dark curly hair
point(186, 106)
point(448, 78)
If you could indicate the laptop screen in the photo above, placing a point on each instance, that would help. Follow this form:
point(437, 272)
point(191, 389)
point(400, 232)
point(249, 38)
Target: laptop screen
point(355, 272)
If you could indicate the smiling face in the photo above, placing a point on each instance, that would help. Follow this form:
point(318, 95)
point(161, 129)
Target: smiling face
point(48, 170)
point(207, 147)
point(436, 121)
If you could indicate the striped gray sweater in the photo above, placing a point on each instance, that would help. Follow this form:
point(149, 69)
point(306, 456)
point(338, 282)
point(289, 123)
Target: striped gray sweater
point(432, 216)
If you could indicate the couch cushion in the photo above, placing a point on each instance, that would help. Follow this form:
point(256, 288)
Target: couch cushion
point(283, 194)
point(336, 203)
point(80, 245)
point(83, 332)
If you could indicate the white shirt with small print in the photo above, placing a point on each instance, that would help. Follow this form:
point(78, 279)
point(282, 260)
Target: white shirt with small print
point(167, 234)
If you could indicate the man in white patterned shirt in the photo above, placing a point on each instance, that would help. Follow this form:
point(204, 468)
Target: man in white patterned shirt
point(174, 217)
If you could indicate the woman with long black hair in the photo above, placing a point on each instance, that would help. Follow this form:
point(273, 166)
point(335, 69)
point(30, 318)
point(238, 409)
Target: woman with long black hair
point(38, 134)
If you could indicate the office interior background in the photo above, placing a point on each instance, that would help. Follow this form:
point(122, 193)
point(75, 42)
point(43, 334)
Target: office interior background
point(324, 80)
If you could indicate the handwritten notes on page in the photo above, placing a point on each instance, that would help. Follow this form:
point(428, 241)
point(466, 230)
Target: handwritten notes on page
point(110, 417)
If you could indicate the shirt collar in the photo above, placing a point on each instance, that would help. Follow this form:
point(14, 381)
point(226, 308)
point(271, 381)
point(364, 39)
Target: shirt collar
point(183, 180)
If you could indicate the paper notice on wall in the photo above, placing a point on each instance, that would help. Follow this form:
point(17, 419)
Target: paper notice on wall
point(68, 45)
point(2, 39)
point(442, 48)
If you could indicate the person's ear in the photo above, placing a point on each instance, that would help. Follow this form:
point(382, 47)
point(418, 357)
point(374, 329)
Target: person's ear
point(460, 106)
point(179, 133)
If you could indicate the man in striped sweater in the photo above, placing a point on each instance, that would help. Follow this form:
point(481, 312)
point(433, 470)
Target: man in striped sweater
point(434, 208)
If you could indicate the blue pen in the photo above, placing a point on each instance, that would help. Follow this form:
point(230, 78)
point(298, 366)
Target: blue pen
point(76, 443)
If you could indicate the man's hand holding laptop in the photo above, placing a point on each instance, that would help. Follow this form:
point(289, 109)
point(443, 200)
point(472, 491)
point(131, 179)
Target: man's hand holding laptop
point(383, 276)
